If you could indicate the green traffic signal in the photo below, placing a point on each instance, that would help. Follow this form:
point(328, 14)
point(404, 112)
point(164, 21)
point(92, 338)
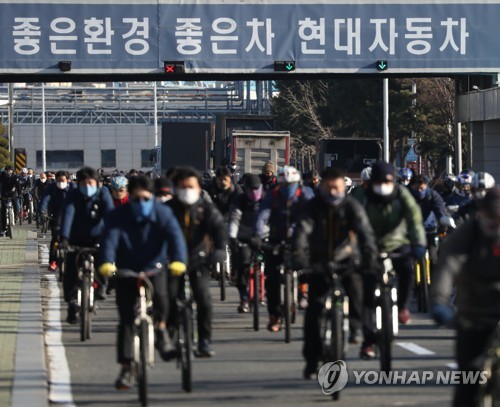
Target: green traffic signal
point(382, 65)
point(284, 66)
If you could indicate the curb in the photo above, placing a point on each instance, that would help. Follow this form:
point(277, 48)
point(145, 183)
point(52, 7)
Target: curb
point(30, 377)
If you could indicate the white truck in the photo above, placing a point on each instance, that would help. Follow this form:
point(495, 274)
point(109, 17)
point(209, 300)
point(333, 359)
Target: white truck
point(251, 149)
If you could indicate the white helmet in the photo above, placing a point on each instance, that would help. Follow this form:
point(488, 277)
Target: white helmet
point(348, 182)
point(288, 175)
point(366, 174)
point(483, 180)
point(24, 170)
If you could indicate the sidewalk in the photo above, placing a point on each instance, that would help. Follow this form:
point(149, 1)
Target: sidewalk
point(22, 373)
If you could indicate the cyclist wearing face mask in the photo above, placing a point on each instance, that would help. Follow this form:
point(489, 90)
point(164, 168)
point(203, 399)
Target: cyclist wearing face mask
point(82, 225)
point(203, 226)
point(10, 187)
point(397, 222)
point(462, 195)
point(51, 206)
point(331, 225)
point(141, 235)
point(164, 190)
point(482, 182)
point(267, 177)
point(278, 213)
point(223, 191)
point(469, 261)
point(118, 187)
point(242, 217)
point(404, 176)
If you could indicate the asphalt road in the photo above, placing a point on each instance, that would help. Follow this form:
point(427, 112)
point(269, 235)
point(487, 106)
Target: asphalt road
point(252, 368)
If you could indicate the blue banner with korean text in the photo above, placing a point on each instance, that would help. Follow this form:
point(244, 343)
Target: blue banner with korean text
point(220, 36)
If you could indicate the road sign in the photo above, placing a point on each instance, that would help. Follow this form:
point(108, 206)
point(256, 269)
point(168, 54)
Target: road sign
point(382, 65)
point(418, 148)
point(411, 156)
point(20, 159)
point(247, 36)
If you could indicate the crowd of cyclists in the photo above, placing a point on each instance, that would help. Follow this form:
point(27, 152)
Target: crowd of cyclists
point(185, 222)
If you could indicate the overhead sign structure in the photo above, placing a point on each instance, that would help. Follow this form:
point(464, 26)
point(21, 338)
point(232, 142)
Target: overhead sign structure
point(248, 36)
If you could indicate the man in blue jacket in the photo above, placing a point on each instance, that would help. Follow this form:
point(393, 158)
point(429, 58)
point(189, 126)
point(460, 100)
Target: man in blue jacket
point(141, 235)
point(279, 212)
point(51, 205)
point(82, 225)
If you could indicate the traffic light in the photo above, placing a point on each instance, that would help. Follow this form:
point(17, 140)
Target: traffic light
point(172, 67)
point(382, 65)
point(284, 66)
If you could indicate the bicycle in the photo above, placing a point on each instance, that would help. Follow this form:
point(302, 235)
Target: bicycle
point(289, 286)
point(10, 219)
point(26, 207)
point(256, 281)
point(222, 272)
point(335, 316)
point(85, 294)
point(186, 333)
point(386, 311)
point(489, 392)
point(144, 329)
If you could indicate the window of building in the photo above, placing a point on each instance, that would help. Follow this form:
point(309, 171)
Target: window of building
point(60, 159)
point(108, 158)
point(146, 159)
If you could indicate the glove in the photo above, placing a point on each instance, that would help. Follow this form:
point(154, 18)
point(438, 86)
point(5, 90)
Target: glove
point(219, 256)
point(448, 221)
point(418, 251)
point(256, 242)
point(107, 269)
point(442, 314)
point(63, 244)
point(177, 268)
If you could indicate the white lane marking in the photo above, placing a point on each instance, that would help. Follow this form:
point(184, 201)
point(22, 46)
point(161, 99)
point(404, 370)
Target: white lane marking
point(413, 347)
point(452, 366)
point(59, 373)
point(43, 253)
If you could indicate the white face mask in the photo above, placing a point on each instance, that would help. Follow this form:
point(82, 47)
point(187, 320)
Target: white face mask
point(383, 189)
point(188, 196)
point(62, 185)
point(406, 182)
point(43, 180)
point(164, 199)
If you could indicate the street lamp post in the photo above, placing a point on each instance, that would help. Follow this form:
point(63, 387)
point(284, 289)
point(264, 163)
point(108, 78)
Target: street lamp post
point(44, 158)
point(386, 119)
point(11, 120)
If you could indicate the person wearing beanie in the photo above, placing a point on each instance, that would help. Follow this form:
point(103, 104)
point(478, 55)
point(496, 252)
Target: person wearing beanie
point(268, 176)
point(469, 263)
point(399, 229)
point(164, 189)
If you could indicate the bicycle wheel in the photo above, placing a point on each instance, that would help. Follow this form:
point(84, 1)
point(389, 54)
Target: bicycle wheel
point(222, 282)
point(286, 305)
point(295, 295)
point(90, 310)
point(386, 333)
point(337, 343)
point(424, 287)
point(30, 213)
point(186, 348)
point(84, 309)
point(142, 368)
point(418, 285)
point(255, 298)
point(12, 220)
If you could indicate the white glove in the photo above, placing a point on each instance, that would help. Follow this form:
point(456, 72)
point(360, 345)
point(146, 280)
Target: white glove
point(448, 221)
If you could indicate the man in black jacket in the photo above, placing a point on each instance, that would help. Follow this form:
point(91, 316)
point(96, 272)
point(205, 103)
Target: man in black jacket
point(223, 191)
point(469, 260)
point(201, 223)
point(331, 228)
point(242, 218)
point(10, 187)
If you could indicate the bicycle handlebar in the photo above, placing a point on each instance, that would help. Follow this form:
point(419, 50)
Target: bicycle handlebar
point(128, 273)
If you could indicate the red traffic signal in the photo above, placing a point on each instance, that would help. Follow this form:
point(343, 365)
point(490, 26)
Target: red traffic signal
point(172, 67)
